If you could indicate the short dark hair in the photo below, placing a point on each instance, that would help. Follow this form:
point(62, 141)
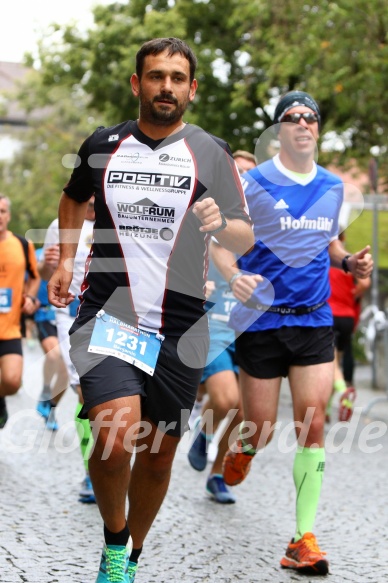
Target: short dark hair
point(172, 46)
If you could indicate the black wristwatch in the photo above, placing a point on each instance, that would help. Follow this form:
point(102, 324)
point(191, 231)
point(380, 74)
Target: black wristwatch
point(345, 263)
point(222, 227)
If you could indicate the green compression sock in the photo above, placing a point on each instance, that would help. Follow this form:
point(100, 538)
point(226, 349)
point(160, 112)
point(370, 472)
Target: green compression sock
point(339, 386)
point(85, 436)
point(246, 446)
point(309, 465)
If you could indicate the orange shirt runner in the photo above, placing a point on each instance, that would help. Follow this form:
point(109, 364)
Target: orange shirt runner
point(12, 281)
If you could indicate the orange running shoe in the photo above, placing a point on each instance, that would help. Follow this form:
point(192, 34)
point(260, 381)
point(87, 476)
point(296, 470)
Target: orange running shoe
point(236, 465)
point(346, 404)
point(305, 555)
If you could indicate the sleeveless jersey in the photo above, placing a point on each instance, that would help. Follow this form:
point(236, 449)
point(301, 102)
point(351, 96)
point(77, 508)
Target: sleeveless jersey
point(148, 263)
point(294, 222)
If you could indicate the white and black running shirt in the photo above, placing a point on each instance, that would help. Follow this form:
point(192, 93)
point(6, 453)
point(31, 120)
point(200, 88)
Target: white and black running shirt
point(148, 261)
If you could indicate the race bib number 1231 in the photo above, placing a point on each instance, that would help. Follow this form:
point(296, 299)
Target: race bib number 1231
point(113, 337)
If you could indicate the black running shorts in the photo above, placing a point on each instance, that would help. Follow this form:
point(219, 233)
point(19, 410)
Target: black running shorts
point(269, 354)
point(343, 332)
point(13, 346)
point(46, 329)
point(167, 397)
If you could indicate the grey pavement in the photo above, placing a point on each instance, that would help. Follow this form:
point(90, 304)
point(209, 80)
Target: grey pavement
point(47, 536)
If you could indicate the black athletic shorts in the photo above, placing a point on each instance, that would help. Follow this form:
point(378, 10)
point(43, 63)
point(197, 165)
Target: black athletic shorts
point(167, 397)
point(46, 329)
point(343, 332)
point(269, 354)
point(13, 346)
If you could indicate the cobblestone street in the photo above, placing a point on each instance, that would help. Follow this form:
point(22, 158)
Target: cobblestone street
point(47, 536)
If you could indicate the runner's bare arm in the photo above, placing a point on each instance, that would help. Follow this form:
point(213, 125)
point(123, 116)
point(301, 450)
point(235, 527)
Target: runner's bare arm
point(242, 285)
point(237, 236)
point(31, 288)
point(71, 217)
point(360, 264)
point(49, 263)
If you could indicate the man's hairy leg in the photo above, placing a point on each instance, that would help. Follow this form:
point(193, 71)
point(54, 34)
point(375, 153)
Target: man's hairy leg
point(260, 398)
point(150, 477)
point(311, 387)
point(109, 464)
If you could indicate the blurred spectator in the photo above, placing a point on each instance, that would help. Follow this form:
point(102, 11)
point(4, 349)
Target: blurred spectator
point(345, 303)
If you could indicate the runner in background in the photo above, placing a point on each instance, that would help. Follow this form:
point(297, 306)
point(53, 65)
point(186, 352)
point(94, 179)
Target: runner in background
point(282, 320)
point(244, 160)
point(219, 382)
point(17, 296)
point(64, 320)
point(220, 377)
point(345, 303)
point(55, 377)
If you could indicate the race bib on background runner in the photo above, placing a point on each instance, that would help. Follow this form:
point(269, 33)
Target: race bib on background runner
point(5, 300)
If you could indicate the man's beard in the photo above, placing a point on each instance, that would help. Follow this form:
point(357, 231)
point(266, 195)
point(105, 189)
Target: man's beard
point(159, 116)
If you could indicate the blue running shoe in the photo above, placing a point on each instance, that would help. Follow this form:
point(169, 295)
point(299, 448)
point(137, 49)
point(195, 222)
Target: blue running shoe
point(198, 451)
point(116, 566)
point(219, 490)
point(86, 495)
point(44, 408)
point(51, 422)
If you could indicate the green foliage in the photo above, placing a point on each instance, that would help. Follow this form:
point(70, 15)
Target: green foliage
point(35, 178)
point(249, 52)
point(360, 233)
point(336, 51)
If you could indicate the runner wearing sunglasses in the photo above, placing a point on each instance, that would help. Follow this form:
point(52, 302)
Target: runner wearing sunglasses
point(286, 329)
point(308, 117)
